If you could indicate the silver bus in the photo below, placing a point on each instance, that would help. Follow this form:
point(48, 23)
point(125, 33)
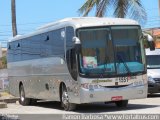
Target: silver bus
point(79, 60)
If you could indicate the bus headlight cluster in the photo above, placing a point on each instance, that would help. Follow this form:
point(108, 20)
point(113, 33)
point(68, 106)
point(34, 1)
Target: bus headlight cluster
point(138, 83)
point(90, 86)
point(150, 79)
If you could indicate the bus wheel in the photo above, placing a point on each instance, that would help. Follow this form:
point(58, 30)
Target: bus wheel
point(65, 100)
point(122, 103)
point(23, 100)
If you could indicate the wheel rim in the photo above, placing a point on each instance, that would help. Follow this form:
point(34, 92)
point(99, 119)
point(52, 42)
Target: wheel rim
point(22, 94)
point(65, 99)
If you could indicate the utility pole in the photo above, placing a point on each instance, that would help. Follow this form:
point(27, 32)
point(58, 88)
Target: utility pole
point(13, 11)
point(0, 50)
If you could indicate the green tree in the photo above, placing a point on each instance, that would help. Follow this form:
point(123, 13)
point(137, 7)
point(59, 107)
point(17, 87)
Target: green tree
point(13, 11)
point(122, 8)
point(3, 62)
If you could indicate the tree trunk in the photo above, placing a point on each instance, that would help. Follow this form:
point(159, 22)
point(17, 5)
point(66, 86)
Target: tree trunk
point(14, 25)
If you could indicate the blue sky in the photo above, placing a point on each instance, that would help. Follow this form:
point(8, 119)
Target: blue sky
point(34, 13)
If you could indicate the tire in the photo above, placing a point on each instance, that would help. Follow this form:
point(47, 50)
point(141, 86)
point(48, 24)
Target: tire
point(67, 106)
point(23, 100)
point(122, 103)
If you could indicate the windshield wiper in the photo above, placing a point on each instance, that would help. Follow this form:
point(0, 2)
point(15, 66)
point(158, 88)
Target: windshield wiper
point(124, 63)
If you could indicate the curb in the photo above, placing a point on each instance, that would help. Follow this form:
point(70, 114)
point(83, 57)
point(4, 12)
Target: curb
point(9, 100)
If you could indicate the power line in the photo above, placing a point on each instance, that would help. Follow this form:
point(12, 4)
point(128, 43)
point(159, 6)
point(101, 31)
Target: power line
point(21, 24)
point(3, 32)
point(4, 39)
point(35, 23)
point(5, 35)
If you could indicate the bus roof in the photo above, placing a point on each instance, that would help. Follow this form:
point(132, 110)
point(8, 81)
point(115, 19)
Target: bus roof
point(91, 21)
point(79, 22)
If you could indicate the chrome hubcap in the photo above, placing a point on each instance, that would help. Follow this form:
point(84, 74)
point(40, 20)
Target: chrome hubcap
point(22, 95)
point(65, 99)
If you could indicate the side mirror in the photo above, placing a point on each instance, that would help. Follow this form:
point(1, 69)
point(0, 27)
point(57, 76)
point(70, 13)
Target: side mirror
point(150, 41)
point(77, 43)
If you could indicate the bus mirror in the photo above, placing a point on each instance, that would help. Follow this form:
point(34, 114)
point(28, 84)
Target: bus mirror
point(150, 41)
point(152, 45)
point(77, 43)
point(76, 40)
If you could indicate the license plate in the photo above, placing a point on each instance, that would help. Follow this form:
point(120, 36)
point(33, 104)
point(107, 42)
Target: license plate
point(116, 98)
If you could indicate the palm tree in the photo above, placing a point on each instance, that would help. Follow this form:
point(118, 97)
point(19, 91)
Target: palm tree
point(122, 8)
point(13, 10)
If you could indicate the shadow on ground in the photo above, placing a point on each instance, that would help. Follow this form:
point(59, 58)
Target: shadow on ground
point(95, 107)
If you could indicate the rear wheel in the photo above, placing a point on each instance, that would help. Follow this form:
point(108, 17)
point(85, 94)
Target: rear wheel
point(122, 103)
point(65, 100)
point(23, 100)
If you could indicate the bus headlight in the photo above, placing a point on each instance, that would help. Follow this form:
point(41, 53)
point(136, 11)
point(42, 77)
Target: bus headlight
point(150, 79)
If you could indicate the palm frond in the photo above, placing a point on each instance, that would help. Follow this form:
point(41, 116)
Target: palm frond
point(88, 6)
point(137, 11)
point(121, 8)
point(102, 8)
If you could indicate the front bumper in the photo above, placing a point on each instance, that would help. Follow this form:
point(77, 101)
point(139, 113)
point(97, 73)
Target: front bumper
point(153, 88)
point(106, 94)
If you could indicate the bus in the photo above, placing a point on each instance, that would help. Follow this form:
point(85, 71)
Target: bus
point(79, 60)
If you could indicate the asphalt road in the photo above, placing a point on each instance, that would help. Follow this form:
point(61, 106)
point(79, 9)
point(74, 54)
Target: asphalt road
point(52, 110)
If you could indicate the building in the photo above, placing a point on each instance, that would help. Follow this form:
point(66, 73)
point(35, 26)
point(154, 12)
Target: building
point(155, 32)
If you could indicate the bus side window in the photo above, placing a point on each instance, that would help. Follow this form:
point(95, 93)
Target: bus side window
point(71, 63)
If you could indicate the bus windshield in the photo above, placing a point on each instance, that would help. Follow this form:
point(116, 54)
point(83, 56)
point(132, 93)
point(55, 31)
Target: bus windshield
point(153, 61)
point(114, 50)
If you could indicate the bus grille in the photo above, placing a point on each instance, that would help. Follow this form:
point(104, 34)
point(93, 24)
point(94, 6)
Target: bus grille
point(157, 80)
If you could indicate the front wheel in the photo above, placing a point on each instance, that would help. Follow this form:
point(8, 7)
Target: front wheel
point(65, 100)
point(23, 100)
point(122, 103)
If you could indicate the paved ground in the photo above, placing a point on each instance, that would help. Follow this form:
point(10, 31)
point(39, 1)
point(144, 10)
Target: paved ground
point(150, 105)
point(7, 98)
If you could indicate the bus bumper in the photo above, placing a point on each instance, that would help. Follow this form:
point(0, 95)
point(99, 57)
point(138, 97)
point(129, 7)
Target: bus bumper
point(109, 94)
point(153, 88)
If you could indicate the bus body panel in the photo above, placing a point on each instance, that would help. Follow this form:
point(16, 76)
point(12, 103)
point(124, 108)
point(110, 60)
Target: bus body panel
point(39, 64)
point(43, 80)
